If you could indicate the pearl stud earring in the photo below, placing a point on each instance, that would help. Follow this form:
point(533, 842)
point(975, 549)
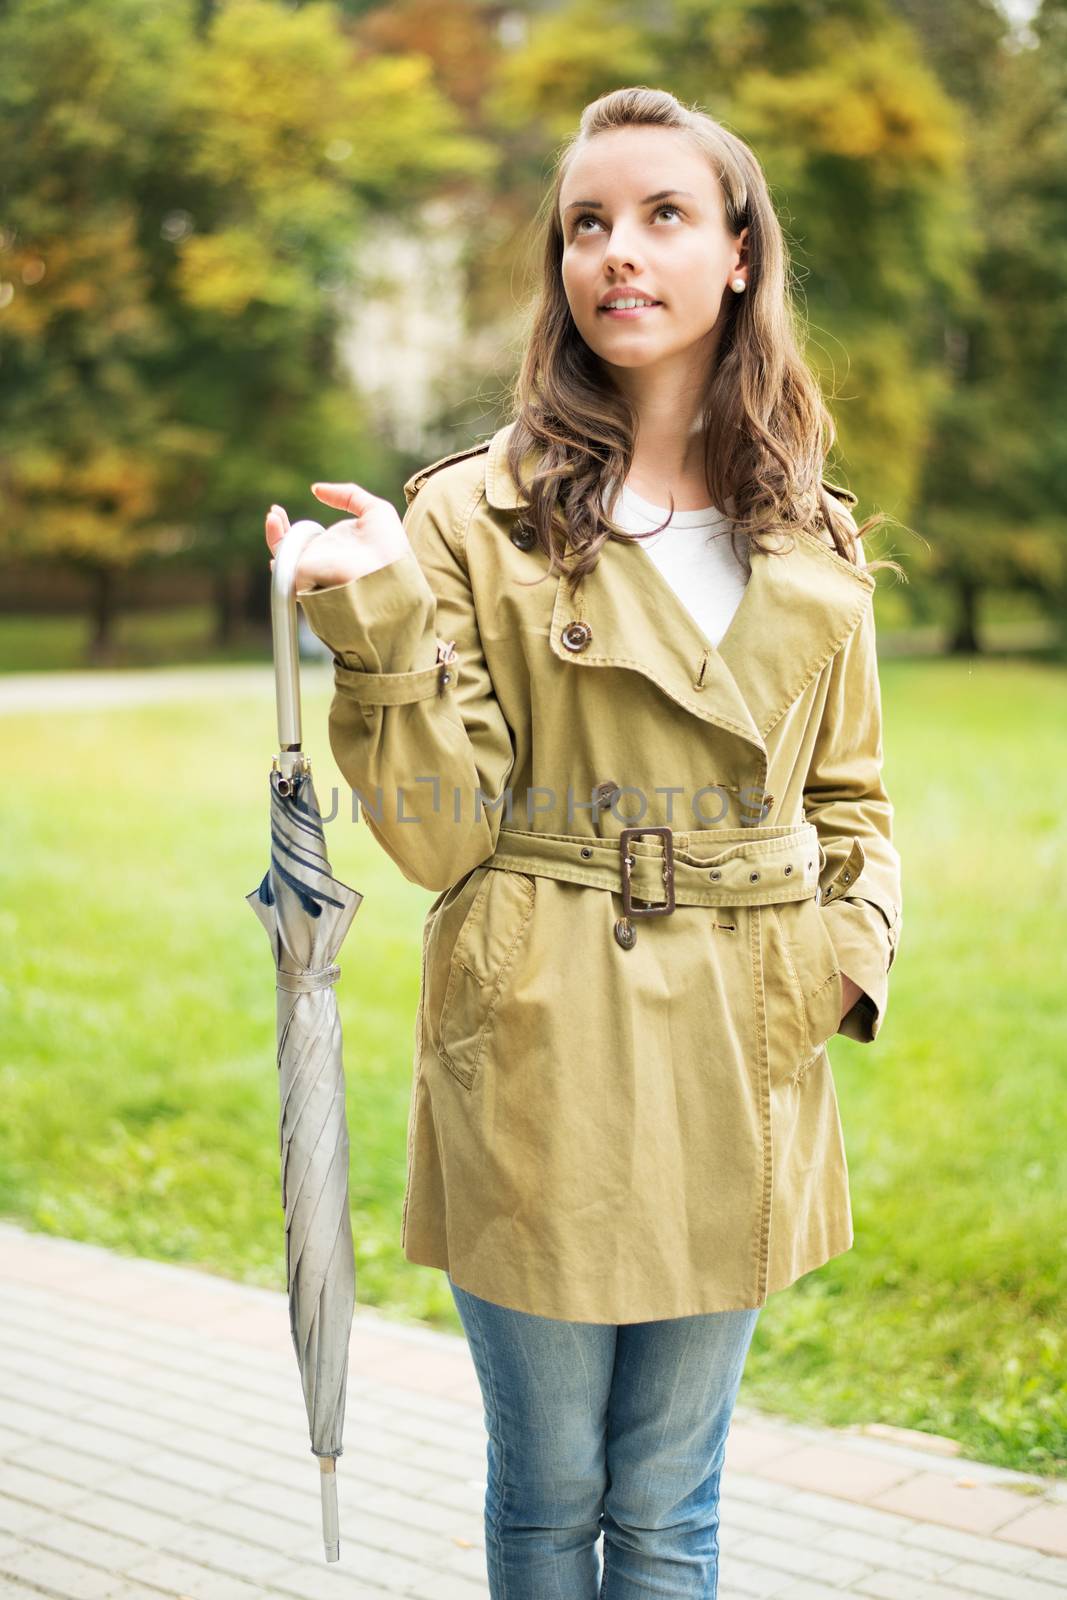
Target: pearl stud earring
point(738, 285)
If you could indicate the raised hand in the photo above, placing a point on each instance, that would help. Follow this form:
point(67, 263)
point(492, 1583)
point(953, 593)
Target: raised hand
point(371, 536)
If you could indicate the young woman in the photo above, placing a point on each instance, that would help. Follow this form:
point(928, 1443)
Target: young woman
point(646, 781)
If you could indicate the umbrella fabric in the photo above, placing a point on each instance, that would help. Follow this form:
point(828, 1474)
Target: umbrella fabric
point(307, 913)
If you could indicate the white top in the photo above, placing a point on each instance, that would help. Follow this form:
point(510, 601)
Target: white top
point(695, 554)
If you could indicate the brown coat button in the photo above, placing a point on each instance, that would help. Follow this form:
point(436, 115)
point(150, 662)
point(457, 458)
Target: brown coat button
point(524, 538)
point(576, 635)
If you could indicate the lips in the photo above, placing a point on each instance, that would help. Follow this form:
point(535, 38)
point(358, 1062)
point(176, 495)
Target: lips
point(629, 311)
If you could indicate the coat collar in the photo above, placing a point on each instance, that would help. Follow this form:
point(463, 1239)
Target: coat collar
point(796, 611)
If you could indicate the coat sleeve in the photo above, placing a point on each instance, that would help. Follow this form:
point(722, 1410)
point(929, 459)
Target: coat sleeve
point(846, 799)
point(422, 741)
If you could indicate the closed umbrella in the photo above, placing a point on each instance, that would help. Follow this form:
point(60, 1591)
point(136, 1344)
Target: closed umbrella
point(306, 913)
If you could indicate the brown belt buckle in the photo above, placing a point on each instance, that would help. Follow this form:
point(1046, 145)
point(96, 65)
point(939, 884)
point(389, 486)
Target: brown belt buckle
point(628, 907)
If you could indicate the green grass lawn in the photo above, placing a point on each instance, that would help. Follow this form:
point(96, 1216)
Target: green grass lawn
point(184, 635)
point(139, 1090)
point(174, 636)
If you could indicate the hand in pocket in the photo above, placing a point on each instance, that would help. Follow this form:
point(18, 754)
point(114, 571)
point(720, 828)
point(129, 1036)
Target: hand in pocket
point(851, 993)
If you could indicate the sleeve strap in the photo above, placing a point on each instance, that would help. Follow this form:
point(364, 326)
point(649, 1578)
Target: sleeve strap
point(399, 688)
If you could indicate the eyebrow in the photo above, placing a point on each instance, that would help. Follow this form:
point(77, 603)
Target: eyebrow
point(660, 194)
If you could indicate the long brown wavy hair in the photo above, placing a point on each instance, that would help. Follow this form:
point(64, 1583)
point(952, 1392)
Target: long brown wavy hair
point(767, 431)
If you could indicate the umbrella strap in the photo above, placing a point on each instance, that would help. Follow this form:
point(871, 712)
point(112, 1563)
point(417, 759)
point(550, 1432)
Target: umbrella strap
point(304, 982)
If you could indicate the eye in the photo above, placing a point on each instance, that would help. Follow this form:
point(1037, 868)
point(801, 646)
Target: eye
point(589, 216)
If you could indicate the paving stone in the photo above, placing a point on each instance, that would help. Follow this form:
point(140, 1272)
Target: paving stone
point(140, 1489)
point(1050, 1569)
point(424, 1514)
point(84, 1543)
point(1042, 1528)
point(57, 1574)
point(191, 1581)
point(900, 1586)
point(808, 1591)
point(834, 1469)
point(311, 1583)
point(828, 1512)
point(437, 1588)
point(18, 1517)
point(188, 1472)
point(466, 1494)
point(128, 1591)
point(935, 1443)
point(69, 1467)
point(938, 1499)
point(881, 1552)
point(748, 1486)
point(359, 1562)
point(1000, 1585)
point(748, 1579)
point(280, 1534)
point(990, 1552)
point(804, 1561)
point(749, 1446)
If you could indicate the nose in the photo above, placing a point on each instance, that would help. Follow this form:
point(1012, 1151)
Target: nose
point(620, 254)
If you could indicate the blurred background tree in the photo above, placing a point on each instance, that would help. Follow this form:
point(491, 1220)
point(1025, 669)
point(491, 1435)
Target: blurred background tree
point(179, 221)
point(193, 197)
point(994, 471)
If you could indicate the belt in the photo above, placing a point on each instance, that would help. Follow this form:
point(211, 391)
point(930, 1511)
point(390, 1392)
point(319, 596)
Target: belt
point(663, 868)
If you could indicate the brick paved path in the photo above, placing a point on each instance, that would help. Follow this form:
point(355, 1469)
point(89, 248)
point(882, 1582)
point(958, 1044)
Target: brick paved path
point(153, 1443)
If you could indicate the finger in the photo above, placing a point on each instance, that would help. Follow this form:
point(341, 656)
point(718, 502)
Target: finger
point(277, 525)
point(344, 497)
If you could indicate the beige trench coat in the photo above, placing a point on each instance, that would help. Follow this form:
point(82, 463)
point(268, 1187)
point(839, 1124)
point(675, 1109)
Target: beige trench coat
point(619, 1119)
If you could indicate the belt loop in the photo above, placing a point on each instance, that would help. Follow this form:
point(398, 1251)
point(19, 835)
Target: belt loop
point(846, 874)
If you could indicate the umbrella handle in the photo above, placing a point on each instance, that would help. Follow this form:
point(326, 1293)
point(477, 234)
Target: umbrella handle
point(331, 1537)
point(287, 555)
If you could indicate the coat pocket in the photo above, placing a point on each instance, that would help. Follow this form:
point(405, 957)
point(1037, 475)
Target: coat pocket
point(485, 948)
point(808, 1012)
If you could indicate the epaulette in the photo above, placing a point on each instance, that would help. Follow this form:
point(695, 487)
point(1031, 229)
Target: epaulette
point(846, 495)
point(417, 479)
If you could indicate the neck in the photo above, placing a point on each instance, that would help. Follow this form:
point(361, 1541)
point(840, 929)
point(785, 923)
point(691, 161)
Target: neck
point(669, 443)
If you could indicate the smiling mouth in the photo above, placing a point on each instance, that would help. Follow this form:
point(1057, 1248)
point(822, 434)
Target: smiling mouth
point(628, 311)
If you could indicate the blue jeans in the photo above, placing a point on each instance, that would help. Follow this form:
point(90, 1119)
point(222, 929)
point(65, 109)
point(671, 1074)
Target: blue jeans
point(597, 1428)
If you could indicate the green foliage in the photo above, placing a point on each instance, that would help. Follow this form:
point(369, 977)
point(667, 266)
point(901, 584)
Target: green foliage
point(996, 454)
point(179, 233)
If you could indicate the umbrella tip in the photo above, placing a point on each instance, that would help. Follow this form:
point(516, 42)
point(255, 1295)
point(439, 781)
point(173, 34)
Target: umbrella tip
point(331, 1538)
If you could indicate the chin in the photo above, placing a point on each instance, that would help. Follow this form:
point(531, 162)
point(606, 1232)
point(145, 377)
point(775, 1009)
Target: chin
point(630, 360)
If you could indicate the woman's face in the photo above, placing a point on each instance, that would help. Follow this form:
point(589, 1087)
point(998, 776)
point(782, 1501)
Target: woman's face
point(673, 246)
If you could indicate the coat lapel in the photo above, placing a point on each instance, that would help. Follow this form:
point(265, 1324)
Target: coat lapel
point(797, 609)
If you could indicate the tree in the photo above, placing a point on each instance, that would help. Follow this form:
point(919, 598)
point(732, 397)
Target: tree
point(180, 219)
point(992, 493)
